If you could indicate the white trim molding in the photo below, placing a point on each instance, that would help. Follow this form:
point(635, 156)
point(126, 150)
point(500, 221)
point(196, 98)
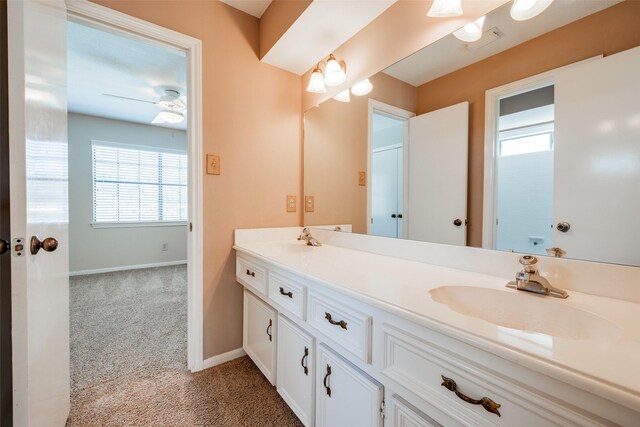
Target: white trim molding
point(104, 17)
point(492, 112)
point(126, 268)
point(399, 114)
point(223, 358)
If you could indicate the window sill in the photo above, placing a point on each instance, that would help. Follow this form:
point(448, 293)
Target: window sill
point(138, 224)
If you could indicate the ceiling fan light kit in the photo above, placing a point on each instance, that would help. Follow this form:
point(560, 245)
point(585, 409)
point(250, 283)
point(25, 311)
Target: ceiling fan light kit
point(173, 106)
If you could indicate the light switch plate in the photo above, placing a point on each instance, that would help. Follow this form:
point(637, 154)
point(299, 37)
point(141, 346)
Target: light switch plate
point(291, 203)
point(309, 204)
point(362, 178)
point(213, 164)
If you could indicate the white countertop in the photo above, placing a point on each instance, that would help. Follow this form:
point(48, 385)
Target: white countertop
point(608, 366)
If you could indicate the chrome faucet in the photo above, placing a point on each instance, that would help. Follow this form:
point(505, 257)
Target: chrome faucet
point(307, 237)
point(529, 280)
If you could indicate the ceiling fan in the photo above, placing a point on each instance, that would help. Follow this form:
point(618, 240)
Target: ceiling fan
point(173, 106)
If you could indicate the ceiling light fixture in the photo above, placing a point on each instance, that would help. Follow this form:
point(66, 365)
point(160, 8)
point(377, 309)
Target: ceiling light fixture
point(343, 96)
point(168, 116)
point(362, 88)
point(527, 9)
point(334, 73)
point(472, 32)
point(316, 82)
point(445, 8)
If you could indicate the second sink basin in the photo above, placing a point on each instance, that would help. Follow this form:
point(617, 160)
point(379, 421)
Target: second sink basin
point(531, 313)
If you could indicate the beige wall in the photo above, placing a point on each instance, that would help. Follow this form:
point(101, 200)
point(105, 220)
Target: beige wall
point(252, 120)
point(335, 150)
point(613, 30)
point(276, 20)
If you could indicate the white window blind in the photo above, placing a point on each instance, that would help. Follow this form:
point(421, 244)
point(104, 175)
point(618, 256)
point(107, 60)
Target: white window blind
point(138, 184)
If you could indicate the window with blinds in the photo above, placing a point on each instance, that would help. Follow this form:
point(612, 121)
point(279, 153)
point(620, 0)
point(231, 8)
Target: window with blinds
point(134, 184)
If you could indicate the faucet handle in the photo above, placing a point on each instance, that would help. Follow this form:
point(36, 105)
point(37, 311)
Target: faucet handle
point(529, 263)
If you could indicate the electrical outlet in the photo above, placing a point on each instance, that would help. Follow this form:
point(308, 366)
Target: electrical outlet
point(165, 246)
point(309, 204)
point(213, 164)
point(291, 203)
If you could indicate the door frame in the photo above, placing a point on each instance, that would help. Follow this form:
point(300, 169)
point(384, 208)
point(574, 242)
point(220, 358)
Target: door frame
point(104, 17)
point(375, 106)
point(492, 113)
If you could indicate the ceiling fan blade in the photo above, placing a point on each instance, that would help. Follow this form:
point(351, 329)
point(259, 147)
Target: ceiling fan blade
point(129, 99)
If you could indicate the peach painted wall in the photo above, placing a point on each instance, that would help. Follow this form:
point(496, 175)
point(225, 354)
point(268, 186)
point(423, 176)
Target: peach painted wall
point(335, 150)
point(276, 20)
point(400, 31)
point(252, 120)
point(613, 30)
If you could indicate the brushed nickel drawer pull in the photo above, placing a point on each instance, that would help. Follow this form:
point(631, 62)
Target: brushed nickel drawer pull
point(269, 329)
point(251, 273)
point(306, 354)
point(486, 403)
point(341, 323)
point(324, 381)
point(288, 294)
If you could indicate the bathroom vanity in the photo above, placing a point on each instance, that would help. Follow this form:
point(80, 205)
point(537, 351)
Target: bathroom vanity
point(370, 331)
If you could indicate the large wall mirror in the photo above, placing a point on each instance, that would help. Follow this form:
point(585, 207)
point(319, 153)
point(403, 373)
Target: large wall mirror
point(526, 140)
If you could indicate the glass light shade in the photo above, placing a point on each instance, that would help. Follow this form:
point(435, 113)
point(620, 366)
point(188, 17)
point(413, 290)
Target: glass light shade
point(362, 88)
point(168, 116)
point(472, 32)
point(343, 96)
point(445, 8)
point(527, 9)
point(334, 75)
point(316, 82)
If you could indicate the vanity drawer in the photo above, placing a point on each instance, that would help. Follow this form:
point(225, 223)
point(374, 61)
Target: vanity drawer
point(343, 324)
point(252, 275)
point(434, 375)
point(288, 294)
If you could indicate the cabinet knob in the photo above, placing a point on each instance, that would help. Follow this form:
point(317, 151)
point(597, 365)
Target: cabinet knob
point(457, 222)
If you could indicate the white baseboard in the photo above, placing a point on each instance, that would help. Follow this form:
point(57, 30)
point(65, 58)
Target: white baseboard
point(126, 267)
point(223, 358)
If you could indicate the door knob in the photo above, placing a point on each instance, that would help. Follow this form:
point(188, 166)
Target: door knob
point(563, 226)
point(48, 245)
point(4, 246)
point(457, 222)
point(393, 215)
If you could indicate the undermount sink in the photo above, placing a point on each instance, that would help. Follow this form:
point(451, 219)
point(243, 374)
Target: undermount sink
point(287, 248)
point(526, 312)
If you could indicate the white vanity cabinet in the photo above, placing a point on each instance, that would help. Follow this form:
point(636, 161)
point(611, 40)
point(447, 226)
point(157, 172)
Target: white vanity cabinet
point(259, 334)
point(345, 396)
point(295, 369)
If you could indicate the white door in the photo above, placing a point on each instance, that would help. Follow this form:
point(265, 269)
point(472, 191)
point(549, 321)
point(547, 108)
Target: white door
point(39, 207)
point(597, 147)
point(259, 334)
point(437, 199)
point(384, 192)
point(345, 396)
point(296, 369)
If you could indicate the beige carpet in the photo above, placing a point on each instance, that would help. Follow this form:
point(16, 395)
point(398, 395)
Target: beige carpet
point(128, 360)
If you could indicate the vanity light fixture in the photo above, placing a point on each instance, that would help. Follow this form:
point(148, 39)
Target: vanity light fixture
point(362, 88)
point(316, 82)
point(343, 96)
point(334, 73)
point(527, 9)
point(472, 32)
point(445, 8)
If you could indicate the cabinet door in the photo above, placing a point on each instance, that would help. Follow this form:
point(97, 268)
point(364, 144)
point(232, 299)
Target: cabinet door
point(259, 334)
point(345, 396)
point(296, 369)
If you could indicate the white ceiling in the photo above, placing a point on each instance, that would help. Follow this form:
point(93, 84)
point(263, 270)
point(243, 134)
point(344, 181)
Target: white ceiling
point(323, 26)
point(252, 7)
point(449, 54)
point(102, 62)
